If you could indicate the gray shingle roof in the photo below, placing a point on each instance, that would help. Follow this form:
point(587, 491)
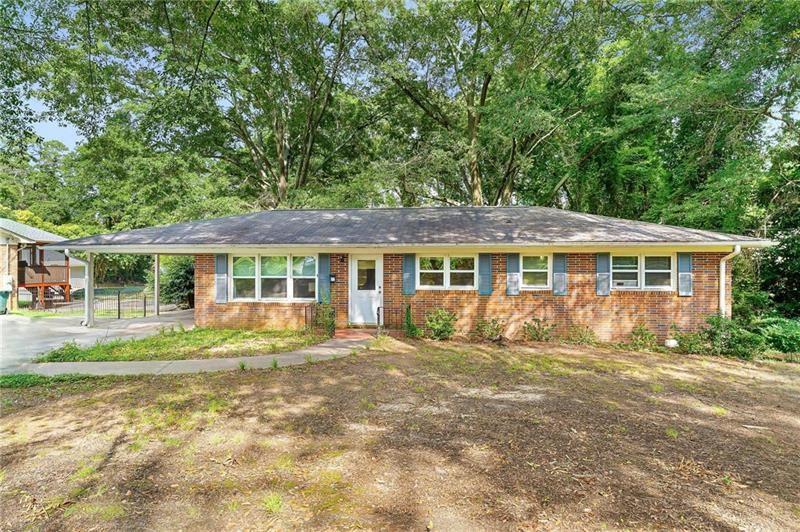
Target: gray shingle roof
point(28, 232)
point(410, 226)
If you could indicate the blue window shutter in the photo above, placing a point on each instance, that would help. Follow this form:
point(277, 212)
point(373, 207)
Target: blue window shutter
point(512, 274)
point(603, 274)
point(485, 274)
point(685, 274)
point(559, 274)
point(409, 274)
point(324, 278)
point(221, 278)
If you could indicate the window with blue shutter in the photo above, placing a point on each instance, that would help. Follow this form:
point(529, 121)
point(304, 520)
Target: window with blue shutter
point(221, 278)
point(485, 274)
point(512, 274)
point(685, 279)
point(559, 274)
point(409, 274)
point(603, 274)
point(324, 278)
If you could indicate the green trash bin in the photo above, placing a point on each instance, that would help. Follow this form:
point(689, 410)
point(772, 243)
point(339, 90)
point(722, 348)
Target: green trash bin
point(4, 297)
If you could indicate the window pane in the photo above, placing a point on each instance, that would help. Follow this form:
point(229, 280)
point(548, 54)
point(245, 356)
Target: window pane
point(244, 288)
point(534, 263)
point(305, 288)
point(431, 278)
point(366, 275)
point(626, 279)
point(462, 263)
point(244, 267)
point(273, 266)
point(304, 266)
point(273, 287)
point(625, 263)
point(657, 263)
point(462, 279)
point(431, 263)
point(658, 279)
point(534, 278)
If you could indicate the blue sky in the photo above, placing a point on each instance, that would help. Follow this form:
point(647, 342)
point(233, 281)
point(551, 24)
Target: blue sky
point(50, 130)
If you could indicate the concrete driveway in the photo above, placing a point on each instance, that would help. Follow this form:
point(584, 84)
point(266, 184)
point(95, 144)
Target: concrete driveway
point(22, 338)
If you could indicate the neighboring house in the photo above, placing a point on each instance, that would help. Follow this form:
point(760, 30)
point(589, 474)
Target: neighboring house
point(40, 273)
point(262, 270)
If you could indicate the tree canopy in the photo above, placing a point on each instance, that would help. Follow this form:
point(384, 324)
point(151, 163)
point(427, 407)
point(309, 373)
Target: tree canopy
point(675, 112)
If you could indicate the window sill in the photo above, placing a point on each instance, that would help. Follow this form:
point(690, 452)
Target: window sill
point(275, 300)
point(535, 289)
point(448, 288)
point(664, 290)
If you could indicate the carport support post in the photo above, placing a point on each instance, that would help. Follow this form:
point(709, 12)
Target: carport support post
point(156, 277)
point(88, 318)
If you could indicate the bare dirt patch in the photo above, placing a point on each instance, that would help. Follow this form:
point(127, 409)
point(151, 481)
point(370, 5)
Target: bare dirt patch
point(414, 435)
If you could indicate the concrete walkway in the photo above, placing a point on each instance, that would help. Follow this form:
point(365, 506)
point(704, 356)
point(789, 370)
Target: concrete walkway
point(339, 346)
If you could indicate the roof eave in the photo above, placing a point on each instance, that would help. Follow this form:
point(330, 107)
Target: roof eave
point(210, 247)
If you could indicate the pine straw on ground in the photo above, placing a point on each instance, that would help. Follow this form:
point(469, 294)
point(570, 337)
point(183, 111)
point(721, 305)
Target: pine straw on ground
point(413, 435)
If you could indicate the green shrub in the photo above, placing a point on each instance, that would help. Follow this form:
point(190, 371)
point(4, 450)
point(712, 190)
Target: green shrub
point(722, 337)
point(440, 324)
point(28, 380)
point(537, 330)
point(490, 330)
point(781, 334)
point(325, 318)
point(410, 329)
point(642, 338)
point(581, 335)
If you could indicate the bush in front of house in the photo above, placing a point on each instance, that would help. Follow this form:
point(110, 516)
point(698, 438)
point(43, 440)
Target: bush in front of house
point(538, 330)
point(441, 324)
point(490, 330)
point(409, 328)
point(722, 337)
point(580, 335)
point(781, 334)
point(642, 338)
point(325, 318)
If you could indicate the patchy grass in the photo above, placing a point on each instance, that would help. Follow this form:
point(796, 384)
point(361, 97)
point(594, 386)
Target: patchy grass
point(181, 344)
point(27, 380)
point(412, 435)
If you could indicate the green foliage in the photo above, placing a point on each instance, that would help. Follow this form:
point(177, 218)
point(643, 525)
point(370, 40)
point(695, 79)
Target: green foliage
point(409, 328)
point(781, 334)
point(580, 335)
point(28, 380)
point(781, 270)
point(722, 337)
point(440, 324)
point(177, 280)
point(490, 330)
point(325, 318)
point(642, 338)
point(538, 330)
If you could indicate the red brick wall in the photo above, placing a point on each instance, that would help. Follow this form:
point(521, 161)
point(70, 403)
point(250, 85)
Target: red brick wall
point(611, 317)
point(259, 314)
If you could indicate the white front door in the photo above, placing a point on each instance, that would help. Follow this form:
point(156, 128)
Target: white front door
point(366, 288)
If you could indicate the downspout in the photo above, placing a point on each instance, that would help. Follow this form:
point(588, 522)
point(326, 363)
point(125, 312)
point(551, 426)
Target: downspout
point(723, 278)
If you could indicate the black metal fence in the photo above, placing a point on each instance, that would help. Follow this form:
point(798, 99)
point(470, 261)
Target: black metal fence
point(117, 304)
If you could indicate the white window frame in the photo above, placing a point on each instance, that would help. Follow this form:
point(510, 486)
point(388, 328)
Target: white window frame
point(522, 271)
point(231, 277)
point(289, 278)
point(446, 271)
point(671, 271)
point(640, 272)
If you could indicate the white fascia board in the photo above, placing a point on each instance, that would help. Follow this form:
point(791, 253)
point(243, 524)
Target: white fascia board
point(552, 247)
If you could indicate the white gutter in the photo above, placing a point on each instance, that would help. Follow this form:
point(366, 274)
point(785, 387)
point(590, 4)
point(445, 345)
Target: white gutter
point(723, 309)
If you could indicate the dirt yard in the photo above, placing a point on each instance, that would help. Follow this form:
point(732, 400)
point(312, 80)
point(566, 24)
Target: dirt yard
point(414, 435)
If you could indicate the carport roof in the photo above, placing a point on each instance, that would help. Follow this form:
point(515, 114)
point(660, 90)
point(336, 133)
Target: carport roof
point(424, 226)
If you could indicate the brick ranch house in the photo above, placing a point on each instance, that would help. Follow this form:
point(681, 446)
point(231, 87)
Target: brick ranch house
point(262, 270)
